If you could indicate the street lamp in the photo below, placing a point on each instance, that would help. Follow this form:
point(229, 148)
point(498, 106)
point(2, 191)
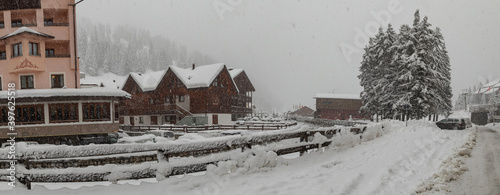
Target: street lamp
point(465, 93)
point(74, 34)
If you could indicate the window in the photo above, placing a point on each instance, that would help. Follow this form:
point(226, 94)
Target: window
point(4, 115)
point(63, 113)
point(154, 120)
point(3, 55)
point(141, 120)
point(48, 22)
point(49, 53)
point(117, 113)
point(167, 99)
point(29, 114)
point(215, 83)
point(34, 49)
point(17, 49)
point(17, 23)
point(2, 25)
point(96, 111)
point(57, 80)
point(151, 101)
point(27, 82)
point(181, 98)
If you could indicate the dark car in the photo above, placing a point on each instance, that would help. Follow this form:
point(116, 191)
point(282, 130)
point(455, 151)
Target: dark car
point(454, 123)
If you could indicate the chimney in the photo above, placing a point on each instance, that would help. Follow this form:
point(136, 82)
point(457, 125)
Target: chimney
point(194, 66)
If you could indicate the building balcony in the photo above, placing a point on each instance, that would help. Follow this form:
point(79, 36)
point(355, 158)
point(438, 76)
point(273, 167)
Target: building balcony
point(17, 25)
point(55, 24)
point(58, 56)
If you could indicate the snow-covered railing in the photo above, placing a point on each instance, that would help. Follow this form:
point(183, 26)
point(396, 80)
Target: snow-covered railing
point(329, 122)
point(84, 163)
point(195, 129)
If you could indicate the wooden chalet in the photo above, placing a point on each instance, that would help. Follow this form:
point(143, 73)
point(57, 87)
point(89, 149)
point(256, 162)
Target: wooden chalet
point(241, 102)
point(302, 112)
point(338, 106)
point(165, 97)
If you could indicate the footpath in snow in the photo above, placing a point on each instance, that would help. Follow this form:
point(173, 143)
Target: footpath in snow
point(483, 175)
point(393, 161)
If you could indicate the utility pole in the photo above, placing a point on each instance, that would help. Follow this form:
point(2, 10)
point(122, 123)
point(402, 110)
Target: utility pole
point(74, 36)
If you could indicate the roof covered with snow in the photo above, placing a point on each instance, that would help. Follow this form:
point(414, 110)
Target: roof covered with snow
point(108, 80)
point(235, 72)
point(25, 30)
point(338, 96)
point(87, 92)
point(149, 80)
point(490, 87)
point(201, 76)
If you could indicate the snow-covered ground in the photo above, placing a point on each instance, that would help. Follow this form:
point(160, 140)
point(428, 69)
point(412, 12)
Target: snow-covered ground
point(394, 161)
point(483, 175)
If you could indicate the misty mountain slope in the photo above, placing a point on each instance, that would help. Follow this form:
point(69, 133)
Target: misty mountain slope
point(123, 49)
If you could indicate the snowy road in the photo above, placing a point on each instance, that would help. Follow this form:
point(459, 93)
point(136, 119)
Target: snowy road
point(483, 176)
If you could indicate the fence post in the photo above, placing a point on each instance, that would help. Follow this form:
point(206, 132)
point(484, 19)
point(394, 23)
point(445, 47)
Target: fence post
point(262, 127)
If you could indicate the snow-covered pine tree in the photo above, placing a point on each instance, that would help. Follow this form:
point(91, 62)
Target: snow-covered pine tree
point(442, 66)
point(402, 60)
point(384, 88)
point(369, 76)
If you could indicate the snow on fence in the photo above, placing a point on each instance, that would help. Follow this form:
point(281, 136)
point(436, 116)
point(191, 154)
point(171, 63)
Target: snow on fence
point(138, 161)
point(328, 122)
point(195, 129)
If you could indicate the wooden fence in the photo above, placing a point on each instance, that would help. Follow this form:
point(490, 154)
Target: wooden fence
point(36, 167)
point(329, 122)
point(195, 129)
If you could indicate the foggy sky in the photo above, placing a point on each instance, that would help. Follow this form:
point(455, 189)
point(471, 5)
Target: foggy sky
point(292, 50)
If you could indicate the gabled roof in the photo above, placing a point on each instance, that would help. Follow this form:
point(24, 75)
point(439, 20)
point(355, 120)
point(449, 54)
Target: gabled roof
point(304, 111)
point(235, 72)
point(338, 96)
point(149, 80)
point(26, 30)
point(201, 76)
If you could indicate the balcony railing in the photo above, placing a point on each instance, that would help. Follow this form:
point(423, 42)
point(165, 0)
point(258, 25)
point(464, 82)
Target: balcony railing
point(56, 24)
point(58, 56)
point(21, 25)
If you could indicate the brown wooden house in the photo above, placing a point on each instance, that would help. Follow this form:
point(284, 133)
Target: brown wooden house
point(165, 97)
point(302, 112)
point(242, 102)
point(338, 106)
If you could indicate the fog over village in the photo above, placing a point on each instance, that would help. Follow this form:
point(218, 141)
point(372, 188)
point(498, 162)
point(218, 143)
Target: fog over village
point(295, 48)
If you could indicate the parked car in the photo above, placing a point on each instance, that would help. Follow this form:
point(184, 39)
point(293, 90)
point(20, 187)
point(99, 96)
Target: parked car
point(454, 123)
point(162, 133)
point(137, 139)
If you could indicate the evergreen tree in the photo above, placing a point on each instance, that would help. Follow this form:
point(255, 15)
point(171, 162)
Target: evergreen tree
point(407, 73)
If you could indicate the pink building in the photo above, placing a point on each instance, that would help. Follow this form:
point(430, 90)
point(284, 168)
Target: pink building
point(38, 54)
point(37, 44)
